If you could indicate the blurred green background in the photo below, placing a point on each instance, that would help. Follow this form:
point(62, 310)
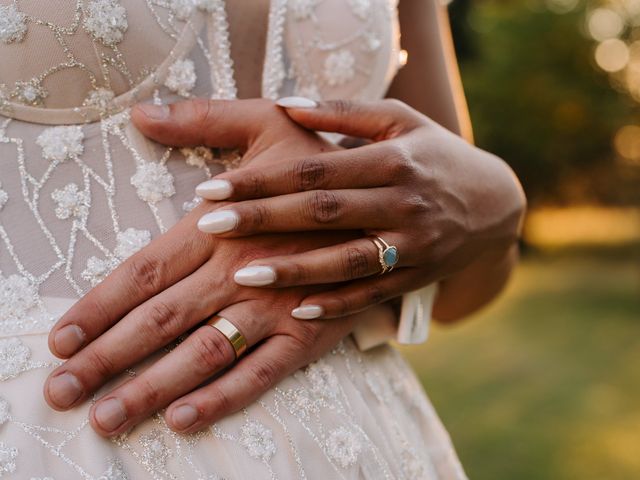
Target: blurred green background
point(545, 383)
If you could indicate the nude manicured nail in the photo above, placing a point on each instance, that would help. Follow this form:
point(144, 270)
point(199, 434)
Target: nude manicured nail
point(68, 340)
point(155, 112)
point(110, 414)
point(215, 189)
point(307, 312)
point(64, 390)
point(184, 416)
point(296, 102)
point(255, 276)
point(221, 221)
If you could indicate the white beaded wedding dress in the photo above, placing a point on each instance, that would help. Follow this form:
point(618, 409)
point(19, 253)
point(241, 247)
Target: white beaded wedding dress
point(81, 190)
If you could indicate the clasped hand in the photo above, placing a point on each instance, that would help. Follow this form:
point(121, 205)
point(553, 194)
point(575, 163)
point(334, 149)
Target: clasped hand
point(435, 197)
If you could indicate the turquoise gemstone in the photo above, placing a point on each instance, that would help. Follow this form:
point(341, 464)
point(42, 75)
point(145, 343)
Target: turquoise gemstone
point(390, 256)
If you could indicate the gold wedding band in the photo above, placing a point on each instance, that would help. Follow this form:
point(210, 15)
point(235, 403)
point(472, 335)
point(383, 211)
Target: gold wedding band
point(229, 330)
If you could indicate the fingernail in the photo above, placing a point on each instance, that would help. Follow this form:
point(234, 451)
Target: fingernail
point(64, 390)
point(296, 102)
point(215, 189)
point(155, 112)
point(184, 416)
point(219, 222)
point(255, 276)
point(307, 312)
point(68, 340)
point(110, 414)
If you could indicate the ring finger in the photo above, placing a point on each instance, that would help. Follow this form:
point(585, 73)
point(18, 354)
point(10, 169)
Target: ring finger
point(348, 261)
point(199, 357)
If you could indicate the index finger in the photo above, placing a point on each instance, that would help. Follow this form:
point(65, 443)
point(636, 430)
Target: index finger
point(150, 271)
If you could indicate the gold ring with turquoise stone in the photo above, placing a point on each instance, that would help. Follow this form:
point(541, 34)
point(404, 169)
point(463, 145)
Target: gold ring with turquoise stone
point(387, 255)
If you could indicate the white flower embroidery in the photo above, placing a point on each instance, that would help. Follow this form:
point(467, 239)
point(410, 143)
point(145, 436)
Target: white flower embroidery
point(115, 123)
point(257, 439)
point(106, 21)
point(154, 450)
point(14, 357)
point(343, 447)
point(153, 182)
point(309, 91)
point(4, 197)
point(360, 8)
point(323, 379)
point(304, 9)
point(100, 99)
point(31, 93)
point(209, 5)
point(197, 157)
point(131, 241)
point(115, 471)
point(97, 270)
point(339, 67)
point(7, 459)
point(4, 411)
point(17, 296)
point(13, 24)
point(182, 77)
point(412, 466)
point(191, 204)
point(300, 402)
point(71, 202)
point(61, 143)
point(182, 8)
point(372, 41)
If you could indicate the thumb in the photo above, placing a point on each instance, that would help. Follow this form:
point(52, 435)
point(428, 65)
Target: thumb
point(375, 120)
point(212, 123)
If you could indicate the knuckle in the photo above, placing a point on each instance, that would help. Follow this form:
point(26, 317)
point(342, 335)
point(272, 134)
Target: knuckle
point(148, 394)
point(324, 206)
point(355, 263)
point(309, 174)
point(374, 294)
point(259, 218)
point(100, 364)
point(415, 206)
point(254, 184)
point(163, 319)
point(210, 350)
point(264, 374)
point(218, 401)
point(399, 161)
point(146, 272)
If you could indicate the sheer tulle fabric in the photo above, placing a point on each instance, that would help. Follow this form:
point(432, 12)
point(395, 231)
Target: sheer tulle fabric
point(81, 190)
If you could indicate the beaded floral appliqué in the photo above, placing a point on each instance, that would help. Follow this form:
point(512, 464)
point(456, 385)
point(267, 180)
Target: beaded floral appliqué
point(14, 357)
point(4, 197)
point(131, 241)
point(13, 24)
point(106, 21)
point(153, 182)
point(339, 67)
point(4, 411)
point(61, 143)
point(182, 77)
point(257, 439)
point(343, 446)
point(8, 457)
point(71, 202)
point(17, 296)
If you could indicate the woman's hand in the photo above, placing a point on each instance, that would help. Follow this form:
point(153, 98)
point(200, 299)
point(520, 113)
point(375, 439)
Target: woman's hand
point(442, 202)
point(171, 287)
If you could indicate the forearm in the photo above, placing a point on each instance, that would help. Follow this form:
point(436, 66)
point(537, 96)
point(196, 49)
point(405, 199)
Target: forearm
point(430, 82)
point(475, 286)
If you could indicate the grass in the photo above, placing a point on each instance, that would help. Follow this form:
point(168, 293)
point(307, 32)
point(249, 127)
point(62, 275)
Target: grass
point(545, 383)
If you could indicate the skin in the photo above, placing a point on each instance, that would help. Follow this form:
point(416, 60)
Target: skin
point(453, 211)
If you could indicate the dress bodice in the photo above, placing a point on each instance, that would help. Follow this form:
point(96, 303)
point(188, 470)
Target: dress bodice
point(68, 61)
